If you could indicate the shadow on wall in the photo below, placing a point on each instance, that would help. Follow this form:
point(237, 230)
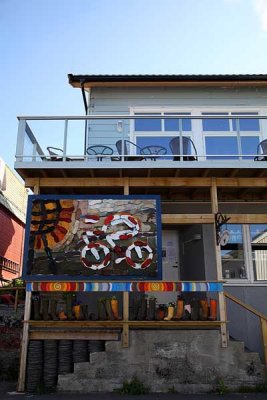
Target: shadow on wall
point(7, 232)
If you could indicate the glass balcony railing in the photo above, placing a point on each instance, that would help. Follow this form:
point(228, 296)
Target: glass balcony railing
point(158, 137)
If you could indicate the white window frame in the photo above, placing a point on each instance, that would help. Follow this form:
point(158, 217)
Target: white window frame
point(247, 248)
point(197, 134)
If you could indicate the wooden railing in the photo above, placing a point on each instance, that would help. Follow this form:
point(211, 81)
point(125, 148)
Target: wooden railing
point(263, 321)
point(8, 289)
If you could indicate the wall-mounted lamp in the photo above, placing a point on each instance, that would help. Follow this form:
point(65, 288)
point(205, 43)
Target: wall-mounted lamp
point(120, 126)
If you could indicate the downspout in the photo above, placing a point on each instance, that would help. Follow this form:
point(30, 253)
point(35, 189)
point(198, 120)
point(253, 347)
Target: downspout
point(86, 107)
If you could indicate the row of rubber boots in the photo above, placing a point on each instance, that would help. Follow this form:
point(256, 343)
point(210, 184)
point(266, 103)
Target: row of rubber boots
point(50, 308)
point(108, 309)
point(195, 310)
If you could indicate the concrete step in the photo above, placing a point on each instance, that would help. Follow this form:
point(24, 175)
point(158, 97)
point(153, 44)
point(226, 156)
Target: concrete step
point(184, 360)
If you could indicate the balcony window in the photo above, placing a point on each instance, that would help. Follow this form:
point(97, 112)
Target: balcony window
point(148, 124)
point(176, 124)
point(216, 124)
point(246, 125)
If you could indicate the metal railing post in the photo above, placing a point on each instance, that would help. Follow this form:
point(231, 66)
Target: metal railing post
point(20, 140)
point(65, 139)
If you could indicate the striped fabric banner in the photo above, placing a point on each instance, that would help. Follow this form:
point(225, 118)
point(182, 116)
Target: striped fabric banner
point(124, 286)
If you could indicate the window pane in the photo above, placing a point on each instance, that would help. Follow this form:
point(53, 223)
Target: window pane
point(220, 146)
point(173, 124)
point(147, 124)
point(232, 253)
point(247, 124)
point(164, 141)
point(258, 236)
point(215, 124)
point(249, 145)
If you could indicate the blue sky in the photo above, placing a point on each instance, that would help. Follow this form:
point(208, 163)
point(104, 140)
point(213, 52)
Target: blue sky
point(42, 41)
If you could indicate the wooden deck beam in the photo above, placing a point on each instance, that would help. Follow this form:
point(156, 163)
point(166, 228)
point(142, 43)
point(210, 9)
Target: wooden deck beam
point(147, 182)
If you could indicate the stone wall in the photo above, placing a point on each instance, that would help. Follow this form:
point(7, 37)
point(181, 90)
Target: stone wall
point(184, 361)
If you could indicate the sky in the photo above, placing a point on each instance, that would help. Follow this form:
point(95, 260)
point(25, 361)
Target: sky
point(41, 41)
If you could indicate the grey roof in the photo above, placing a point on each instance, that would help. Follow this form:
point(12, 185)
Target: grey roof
point(165, 78)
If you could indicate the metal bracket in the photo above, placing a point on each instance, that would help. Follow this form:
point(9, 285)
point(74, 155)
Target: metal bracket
point(220, 220)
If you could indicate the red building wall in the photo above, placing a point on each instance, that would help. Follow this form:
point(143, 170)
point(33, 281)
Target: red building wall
point(11, 239)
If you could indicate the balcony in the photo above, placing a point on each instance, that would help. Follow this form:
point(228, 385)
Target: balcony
point(142, 145)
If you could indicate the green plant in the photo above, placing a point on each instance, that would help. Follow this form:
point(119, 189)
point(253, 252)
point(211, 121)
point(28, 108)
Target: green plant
point(172, 390)
point(221, 387)
point(133, 387)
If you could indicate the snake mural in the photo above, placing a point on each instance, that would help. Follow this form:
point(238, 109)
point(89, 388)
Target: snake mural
point(93, 238)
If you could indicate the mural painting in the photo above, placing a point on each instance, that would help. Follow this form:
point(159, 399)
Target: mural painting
point(89, 237)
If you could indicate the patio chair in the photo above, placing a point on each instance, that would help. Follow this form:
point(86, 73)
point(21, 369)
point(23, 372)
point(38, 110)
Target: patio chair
point(261, 151)
point(188, 146)
point(56, 156)
point(127, 144)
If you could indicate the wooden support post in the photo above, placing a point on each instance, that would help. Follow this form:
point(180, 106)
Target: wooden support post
point(221, 299)
point(125, 330)
point(16, 300)
point(264, 340)
point(24, 343)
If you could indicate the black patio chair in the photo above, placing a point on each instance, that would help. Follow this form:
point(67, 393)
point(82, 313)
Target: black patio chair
point(56, 155)
point(188, 146)
point(127, 144)
point(99, 151)
point(261, 151)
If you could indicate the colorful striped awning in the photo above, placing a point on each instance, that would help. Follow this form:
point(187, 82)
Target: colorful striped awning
point(214, 286)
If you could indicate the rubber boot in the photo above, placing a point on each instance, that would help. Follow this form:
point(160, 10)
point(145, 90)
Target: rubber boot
point(194, 310)
point(115, 308)
point(213, 310)
point(69, 312)
point(142, 312)
point(84, 309)
point(36, 308)
point(179, 312)
point(77, 309)
point(134, 309)
point(52, 309)
point(203, 310)
point(44, 309)
point(61, 310)
point(151, 312)
point(187, 312)
point(170, 313)
point(109, 309)
point(160, 312)
point(102, 314)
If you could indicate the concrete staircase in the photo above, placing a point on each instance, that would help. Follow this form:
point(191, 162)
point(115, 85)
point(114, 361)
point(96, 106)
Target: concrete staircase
point(186, 361)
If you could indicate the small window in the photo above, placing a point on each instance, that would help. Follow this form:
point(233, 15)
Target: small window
point(211, 125)
point(148, 124)
point(174, 124)
point(246, 124)
point(232, 254)
point(258, 237)
point(221, 147)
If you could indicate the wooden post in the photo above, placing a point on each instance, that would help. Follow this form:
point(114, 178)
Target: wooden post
point(25, 332)
point(264, 340)
point(16, 300)
point(221, 299)
point(125, 330)
point(24, 343)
